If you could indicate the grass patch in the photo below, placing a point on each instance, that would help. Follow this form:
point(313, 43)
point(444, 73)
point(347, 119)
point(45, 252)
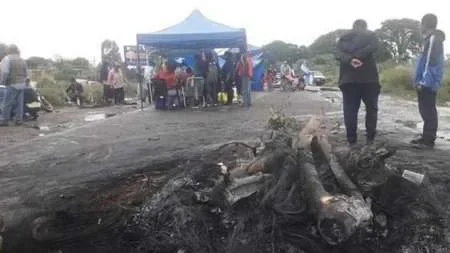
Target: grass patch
point(53, 91)
point(399, 81)
point(94, 93)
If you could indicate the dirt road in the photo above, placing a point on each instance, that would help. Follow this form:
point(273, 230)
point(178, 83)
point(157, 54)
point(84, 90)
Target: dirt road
point(49, 171)
point(48, 166)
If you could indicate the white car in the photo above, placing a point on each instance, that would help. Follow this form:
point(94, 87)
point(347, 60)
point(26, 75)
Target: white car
point(319, 79)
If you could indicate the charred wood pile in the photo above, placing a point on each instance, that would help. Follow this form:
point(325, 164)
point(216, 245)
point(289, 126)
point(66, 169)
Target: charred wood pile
point(296, 192)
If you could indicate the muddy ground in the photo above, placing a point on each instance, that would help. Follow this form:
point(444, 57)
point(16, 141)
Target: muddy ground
point(90, 169)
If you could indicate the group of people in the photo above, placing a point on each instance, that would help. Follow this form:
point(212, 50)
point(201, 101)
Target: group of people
point(13, 82)
point(206, 83)
point(359, 79)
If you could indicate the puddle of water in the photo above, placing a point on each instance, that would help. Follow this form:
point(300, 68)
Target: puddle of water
point(95, 117)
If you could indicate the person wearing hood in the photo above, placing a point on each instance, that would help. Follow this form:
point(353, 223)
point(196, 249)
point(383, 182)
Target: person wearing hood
point(428, 79)
point(358, 79)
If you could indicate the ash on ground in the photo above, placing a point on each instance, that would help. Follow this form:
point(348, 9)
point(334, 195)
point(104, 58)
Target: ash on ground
point(193, 213)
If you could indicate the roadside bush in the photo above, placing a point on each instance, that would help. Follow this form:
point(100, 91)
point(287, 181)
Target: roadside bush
point(398, 80)
point(94, 93)
point(444, 93)
point(53, 91)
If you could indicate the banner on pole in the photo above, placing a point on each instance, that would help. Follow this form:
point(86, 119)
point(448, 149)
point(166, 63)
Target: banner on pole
point(131, 56)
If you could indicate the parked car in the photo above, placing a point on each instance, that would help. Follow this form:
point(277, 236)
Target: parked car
point(319, 79)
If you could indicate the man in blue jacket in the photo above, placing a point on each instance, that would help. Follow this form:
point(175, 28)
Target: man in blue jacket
point(429, 73)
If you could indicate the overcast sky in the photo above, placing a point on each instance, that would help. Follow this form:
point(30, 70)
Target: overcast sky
point(72, 28)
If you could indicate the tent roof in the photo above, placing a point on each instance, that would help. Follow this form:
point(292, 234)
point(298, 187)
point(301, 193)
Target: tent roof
point(195, 32)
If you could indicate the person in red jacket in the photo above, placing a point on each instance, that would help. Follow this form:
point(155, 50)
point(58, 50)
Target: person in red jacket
point(168, 76)
point(245, 72)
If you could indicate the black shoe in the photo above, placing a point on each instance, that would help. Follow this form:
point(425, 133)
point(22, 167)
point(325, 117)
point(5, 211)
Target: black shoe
point(352, 145)
point(417, 140)
point(421, 143)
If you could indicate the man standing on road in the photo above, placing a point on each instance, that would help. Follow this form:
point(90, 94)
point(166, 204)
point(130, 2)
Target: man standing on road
point(13, 75)
point(429, 72)
point(359, 79)
point(245, 71)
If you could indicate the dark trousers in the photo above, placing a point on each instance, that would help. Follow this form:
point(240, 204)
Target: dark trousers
point(108, 92)
point(119, 96)
point(353, 94)
point(211, 92)
point(427, 108)
point(230, 92)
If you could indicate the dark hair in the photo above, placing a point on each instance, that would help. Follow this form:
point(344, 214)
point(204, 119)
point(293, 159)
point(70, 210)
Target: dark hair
point(13, 49)
point(189, 70)
point(429, 21)
point(360, 24)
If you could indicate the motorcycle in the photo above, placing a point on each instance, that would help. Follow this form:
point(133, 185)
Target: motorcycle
point(292, 83)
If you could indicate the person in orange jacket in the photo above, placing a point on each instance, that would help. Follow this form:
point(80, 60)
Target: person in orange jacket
point(245, 72)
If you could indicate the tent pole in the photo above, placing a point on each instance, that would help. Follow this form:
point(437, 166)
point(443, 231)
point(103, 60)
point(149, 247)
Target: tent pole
point(139, 71)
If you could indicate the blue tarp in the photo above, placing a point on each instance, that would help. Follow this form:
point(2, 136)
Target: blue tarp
point(195, 32)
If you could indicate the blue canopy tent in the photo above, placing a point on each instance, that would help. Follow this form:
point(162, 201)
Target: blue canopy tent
point(195, 32)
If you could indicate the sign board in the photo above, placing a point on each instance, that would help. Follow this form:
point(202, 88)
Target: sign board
point(131, 56)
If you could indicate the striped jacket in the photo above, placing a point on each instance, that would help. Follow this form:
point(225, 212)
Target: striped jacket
point(430, 63)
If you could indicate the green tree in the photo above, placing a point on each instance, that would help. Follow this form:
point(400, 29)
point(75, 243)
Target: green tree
point(111, 52)
point(326, 44)
point(81, 63)
point(282, 51)
point(401, 37)
point(36, 62)
point(65, 70)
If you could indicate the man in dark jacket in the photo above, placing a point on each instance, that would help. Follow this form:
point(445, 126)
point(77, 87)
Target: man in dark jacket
point(228, 77)
point(359, 79)
point(429, 72)
point(75, 91)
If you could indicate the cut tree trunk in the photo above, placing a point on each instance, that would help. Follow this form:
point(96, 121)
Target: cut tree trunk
point(339, 216)
point(322, 146)
point(265, 164)
point(305, 136)
point(366, 166)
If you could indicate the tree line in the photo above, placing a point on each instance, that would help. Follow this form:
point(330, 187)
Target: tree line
point(400, 41)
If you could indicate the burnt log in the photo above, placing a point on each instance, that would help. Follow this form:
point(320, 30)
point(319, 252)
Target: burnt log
point(264, 164)
point(367, 166)
point(305, 136)
point(322, 147)
point(338, 216)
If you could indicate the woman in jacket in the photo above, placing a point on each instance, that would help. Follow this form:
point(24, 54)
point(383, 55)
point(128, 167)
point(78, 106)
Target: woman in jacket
point(245, 72)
